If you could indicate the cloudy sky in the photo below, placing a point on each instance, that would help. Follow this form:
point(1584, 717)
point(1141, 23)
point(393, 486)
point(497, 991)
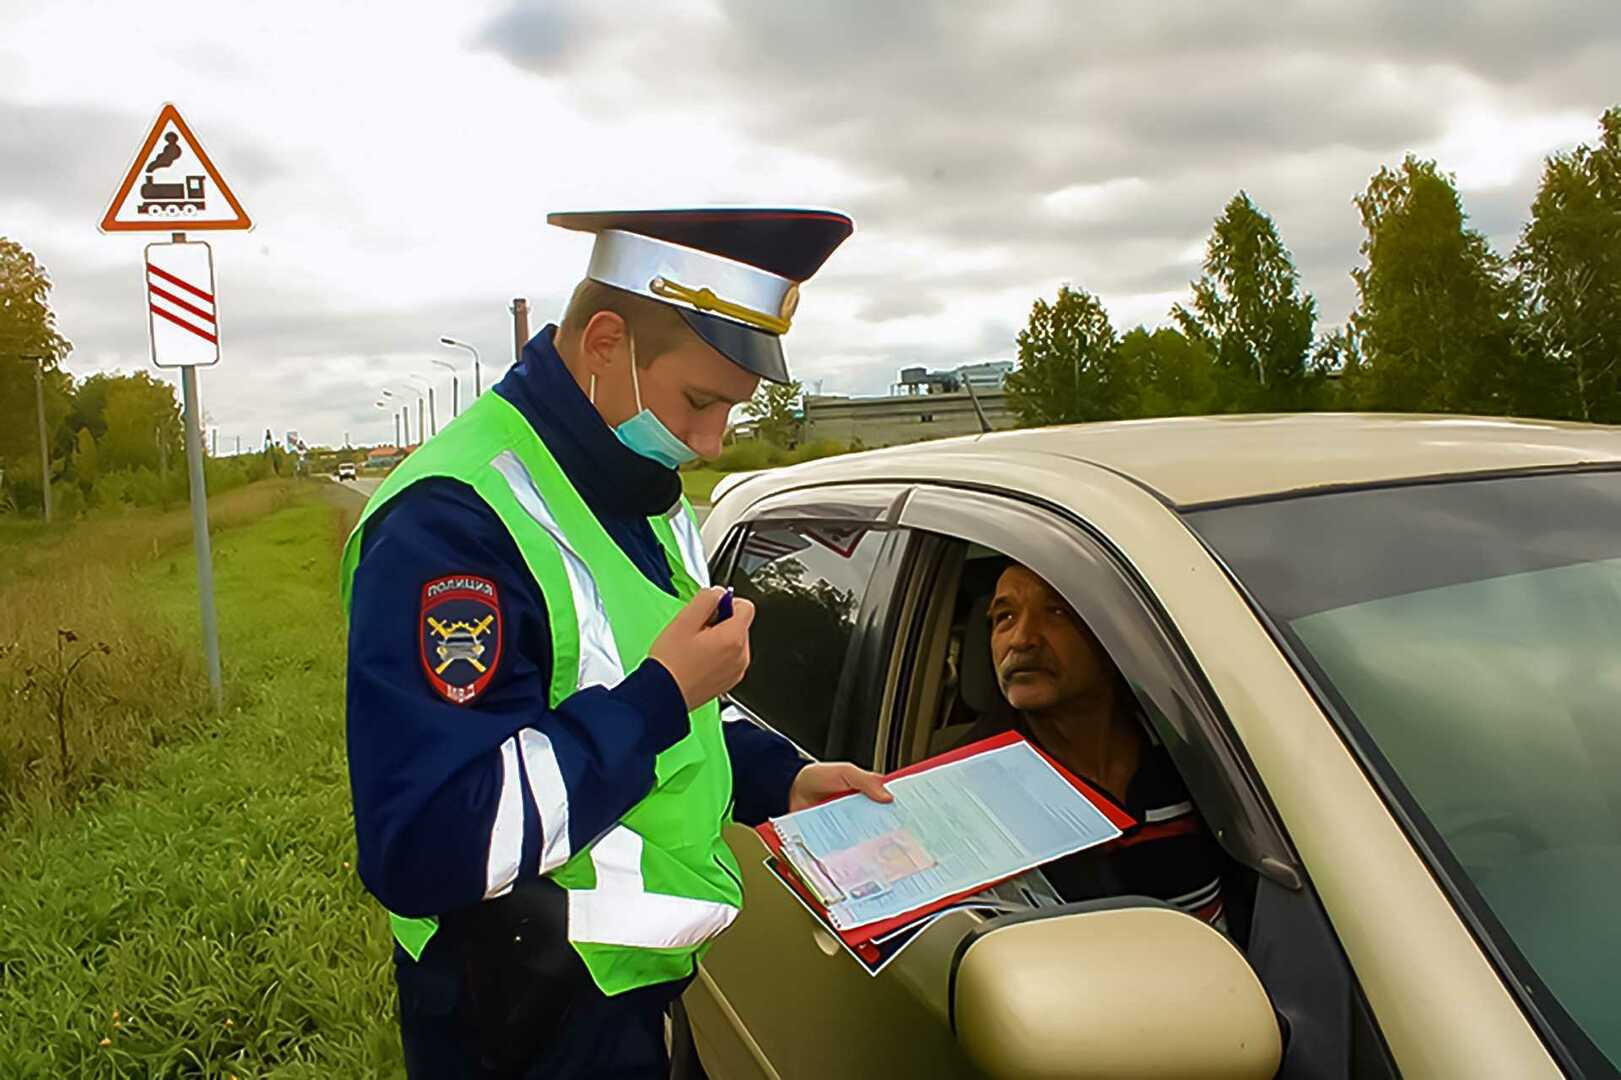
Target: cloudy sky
point(400, 159)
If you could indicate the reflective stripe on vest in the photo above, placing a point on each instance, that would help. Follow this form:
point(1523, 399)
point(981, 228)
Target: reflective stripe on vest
point(506, 834)
point(619, 911)
point(691, 544)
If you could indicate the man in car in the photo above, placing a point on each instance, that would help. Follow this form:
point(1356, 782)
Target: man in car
point(1061, 691)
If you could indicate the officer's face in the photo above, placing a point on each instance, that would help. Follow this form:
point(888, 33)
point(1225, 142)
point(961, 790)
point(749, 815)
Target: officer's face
point(692, 388)
point(1044, 655)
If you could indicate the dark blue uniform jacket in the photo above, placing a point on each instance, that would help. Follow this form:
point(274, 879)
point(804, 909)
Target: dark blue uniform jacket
point(426, 773)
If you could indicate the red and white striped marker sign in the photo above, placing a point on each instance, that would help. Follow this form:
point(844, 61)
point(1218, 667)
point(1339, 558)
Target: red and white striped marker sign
point(180, 305)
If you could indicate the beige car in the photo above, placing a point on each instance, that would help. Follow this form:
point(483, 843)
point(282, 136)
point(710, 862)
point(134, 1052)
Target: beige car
point(1385, 654)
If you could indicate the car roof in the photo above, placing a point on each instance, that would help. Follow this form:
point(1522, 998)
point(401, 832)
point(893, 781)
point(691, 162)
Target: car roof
point(1189, 461)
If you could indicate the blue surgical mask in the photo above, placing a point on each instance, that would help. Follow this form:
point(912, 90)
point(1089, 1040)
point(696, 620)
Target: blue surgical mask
point(645, 433)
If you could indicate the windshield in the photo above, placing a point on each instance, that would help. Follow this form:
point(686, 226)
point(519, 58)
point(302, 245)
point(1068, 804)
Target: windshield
point(1468, 634)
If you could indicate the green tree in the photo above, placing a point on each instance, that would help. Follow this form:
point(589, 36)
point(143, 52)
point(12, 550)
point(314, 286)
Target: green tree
point(1569, 262)
point(1436, 315)
point(28, 338)
point(90, 404)
point(775, 409)
point(1069, 364)
point(142, 422)
point(1168, 374)
point(85, 464)
point(1337, 357)
point(1249, 312)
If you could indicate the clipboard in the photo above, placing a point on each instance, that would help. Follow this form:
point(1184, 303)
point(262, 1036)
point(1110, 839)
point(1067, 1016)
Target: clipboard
point(859, 940)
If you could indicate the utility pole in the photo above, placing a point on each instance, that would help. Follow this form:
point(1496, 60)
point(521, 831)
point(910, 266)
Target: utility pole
point(1076, 385)
point(421, 438)
point(239, 445)
point(44, 443)
point(520, 327)
point(433, 412)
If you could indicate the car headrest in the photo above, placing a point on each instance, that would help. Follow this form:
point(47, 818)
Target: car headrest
point(978, 687)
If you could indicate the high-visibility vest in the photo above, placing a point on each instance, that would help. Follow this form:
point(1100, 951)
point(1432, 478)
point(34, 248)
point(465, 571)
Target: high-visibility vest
point(645, 899)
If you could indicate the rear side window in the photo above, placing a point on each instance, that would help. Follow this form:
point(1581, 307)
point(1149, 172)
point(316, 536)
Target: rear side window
point(806, 580)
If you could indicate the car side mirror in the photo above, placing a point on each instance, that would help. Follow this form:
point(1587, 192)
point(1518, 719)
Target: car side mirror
point(1115, 993)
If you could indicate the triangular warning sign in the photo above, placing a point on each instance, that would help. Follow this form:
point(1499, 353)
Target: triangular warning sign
point(172, 186)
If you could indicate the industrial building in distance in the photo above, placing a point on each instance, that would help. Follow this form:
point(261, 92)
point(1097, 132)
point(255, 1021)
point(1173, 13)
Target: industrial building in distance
point(921, 405)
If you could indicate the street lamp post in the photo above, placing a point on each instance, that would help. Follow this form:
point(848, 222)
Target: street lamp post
point(433, 414)
point(455, 388)
point(422, 431)
point(478, 379)
point(384, 405)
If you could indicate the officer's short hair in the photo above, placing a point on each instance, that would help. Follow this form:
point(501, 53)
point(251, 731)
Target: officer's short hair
point(657, 327)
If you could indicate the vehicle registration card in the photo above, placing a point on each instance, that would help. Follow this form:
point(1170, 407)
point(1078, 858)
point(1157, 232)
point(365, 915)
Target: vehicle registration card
point(952, 828)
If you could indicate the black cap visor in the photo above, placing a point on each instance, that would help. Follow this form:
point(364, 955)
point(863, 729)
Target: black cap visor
point(750, 349)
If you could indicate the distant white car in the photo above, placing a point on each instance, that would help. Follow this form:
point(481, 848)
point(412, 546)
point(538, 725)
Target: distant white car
point(346, 471)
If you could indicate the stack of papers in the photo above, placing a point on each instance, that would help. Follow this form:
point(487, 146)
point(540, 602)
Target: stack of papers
point(960, 824)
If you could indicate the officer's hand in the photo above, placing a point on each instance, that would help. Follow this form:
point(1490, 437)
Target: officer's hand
point(705, 661)
point(823, 780)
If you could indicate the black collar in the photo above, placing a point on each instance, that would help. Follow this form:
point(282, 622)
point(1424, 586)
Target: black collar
point(613, 479)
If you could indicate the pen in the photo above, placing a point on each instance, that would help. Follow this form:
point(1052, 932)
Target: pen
point(723, 610)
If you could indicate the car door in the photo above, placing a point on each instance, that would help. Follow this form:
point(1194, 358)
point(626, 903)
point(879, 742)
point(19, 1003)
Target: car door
point(777, 995)
point(1274, 913)
point(828, 573)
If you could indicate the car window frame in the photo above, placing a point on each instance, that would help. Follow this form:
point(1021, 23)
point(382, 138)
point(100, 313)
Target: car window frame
point(860, 696)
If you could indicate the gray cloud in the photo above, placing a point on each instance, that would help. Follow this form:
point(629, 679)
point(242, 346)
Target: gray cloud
point(549, 38)
point(987, 153)
point(963, 123)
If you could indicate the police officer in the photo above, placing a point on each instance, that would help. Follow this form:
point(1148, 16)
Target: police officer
point(537, 756)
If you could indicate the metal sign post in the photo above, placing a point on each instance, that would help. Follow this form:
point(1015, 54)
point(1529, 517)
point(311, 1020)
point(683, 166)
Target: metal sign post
point(199, 524)
point(185, 334)
point(184, 326)
point(172, 181)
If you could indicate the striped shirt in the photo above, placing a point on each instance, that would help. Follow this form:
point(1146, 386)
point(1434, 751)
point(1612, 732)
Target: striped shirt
point(1168, 855)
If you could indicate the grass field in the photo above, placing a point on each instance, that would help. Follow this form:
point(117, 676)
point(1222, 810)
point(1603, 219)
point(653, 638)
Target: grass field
point(697, 484)
point(195, 912)
point(66, 599)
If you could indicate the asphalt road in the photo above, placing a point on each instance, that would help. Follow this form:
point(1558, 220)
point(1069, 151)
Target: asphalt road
point(364, 485)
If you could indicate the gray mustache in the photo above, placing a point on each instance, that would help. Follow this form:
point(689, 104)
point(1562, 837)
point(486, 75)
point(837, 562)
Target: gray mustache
point(1014, 663)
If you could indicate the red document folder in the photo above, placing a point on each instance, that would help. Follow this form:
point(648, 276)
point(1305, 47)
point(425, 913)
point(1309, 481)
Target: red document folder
point(859, 939)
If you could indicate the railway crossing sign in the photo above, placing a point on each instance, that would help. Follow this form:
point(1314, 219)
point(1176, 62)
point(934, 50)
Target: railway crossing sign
point(172, 186)
point(180, 311)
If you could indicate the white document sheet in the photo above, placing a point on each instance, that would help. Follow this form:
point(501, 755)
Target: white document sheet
point(951, 829)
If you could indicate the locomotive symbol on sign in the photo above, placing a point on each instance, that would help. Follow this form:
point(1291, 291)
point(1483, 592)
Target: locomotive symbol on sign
point(188, 197)
point(171, 177)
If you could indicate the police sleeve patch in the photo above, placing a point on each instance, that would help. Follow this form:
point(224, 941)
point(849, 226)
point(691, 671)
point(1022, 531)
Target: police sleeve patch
point(460, 635)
